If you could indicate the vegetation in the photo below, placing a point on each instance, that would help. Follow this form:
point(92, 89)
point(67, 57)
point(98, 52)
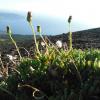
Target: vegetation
point(52, 73)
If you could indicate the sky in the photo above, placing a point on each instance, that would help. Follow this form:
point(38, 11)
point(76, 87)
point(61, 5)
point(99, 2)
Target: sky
point(83, 11)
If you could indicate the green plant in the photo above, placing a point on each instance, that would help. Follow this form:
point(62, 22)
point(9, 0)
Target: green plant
point(55, 74)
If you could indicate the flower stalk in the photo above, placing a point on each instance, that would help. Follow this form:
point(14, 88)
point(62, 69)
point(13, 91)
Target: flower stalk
point(70, 33)
point(9, 32)
point(39, 31)
point(29, 19)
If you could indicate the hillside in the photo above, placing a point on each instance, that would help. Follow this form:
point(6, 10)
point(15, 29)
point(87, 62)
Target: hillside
point(81, 39)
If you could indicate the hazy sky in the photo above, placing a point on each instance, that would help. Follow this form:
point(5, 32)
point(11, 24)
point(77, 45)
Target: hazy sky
point(83, 11)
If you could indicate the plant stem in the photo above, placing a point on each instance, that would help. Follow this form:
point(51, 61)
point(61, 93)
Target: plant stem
point(70, 37)
point(15, 46)
point(34, 34)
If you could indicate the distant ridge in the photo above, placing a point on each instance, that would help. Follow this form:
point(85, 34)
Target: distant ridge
point(81, 39)
point(96, 30)
point(10, 15)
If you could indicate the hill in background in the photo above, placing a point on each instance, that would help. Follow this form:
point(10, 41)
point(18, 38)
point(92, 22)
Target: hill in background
point(81, 39)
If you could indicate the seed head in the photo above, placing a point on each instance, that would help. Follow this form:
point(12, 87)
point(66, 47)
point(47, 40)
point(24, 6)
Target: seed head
point(8, 30)
point(39, 29)
point(42, 44)
point(29, 16)
point(59, 44)
point(11, 57)
point(69, 19)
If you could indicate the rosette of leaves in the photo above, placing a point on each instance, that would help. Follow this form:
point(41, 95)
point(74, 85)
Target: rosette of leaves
point(91, 55)
point(25, 69)
point(33, 68)
point(79, 58)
